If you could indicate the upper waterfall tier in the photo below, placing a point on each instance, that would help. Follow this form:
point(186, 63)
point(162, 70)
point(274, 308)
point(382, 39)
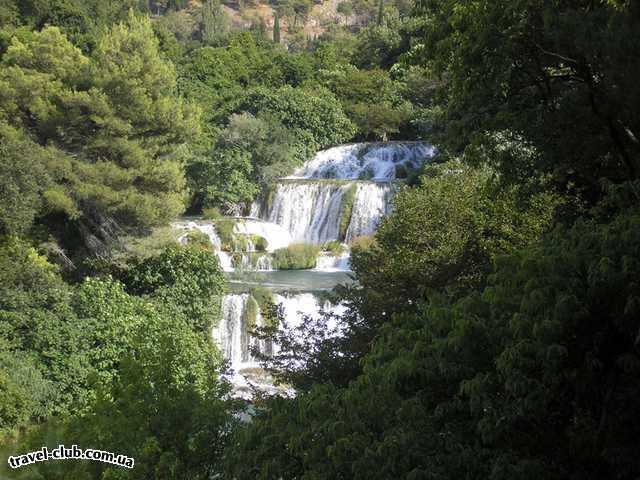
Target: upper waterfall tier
point(317, 212)
point(369, 161)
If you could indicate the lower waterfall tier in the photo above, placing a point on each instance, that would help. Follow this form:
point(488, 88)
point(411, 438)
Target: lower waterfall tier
point(241, 313)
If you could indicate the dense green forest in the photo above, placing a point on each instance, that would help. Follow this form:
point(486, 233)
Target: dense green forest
point(493, 331)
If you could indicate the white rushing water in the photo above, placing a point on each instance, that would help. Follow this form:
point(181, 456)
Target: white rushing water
point(374, 161)
point(235, 341)
point(275, 235)
point(312, 212)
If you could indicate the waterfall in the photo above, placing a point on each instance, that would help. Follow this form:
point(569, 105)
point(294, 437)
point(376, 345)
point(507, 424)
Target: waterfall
point(374, 161)
point(233, 336)
point(312, 212)
point(371, 203)
point(309, 211)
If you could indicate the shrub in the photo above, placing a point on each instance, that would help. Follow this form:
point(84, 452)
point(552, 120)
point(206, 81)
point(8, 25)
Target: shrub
point(297, 256)
point(335, 247)
point(362, 243)
point(259, 243)
point(224, 229)
point(212, 213)
point(199, 239)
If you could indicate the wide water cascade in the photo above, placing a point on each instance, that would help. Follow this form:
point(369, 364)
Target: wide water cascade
point(338, 196)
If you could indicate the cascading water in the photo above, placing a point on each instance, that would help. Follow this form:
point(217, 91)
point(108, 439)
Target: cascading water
point(233, 334)
point(339, 195)
point(309, 211)
point(373, 161)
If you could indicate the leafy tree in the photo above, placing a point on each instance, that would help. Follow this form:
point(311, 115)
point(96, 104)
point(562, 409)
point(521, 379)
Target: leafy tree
point(39, 327)
point(443, 236)
point(185, 280)
point(536, 376)
point(532, 69)
point(312, 115)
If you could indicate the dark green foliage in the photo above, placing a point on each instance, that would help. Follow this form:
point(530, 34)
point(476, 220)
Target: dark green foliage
point(297, 256)
point(526, 71)
point(538, 376)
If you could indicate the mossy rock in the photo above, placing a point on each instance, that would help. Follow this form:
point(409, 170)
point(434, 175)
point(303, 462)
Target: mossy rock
point(346, 209)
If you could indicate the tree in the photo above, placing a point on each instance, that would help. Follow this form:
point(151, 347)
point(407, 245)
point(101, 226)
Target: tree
point(276, 27)
point(536, 376)
point(534, 76)
point(443, 236)
point(215, 22)
point(114, 116)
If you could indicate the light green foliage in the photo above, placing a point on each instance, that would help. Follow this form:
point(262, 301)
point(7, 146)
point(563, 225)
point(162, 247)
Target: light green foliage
point(297, 256)
point(112, 117)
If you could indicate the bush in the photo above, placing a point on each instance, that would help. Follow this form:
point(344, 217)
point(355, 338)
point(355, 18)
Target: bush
point(297, 256)
point(211, 213)
point(199, 239)
point(224, 229)
point(335, 247)
point(363, 242)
